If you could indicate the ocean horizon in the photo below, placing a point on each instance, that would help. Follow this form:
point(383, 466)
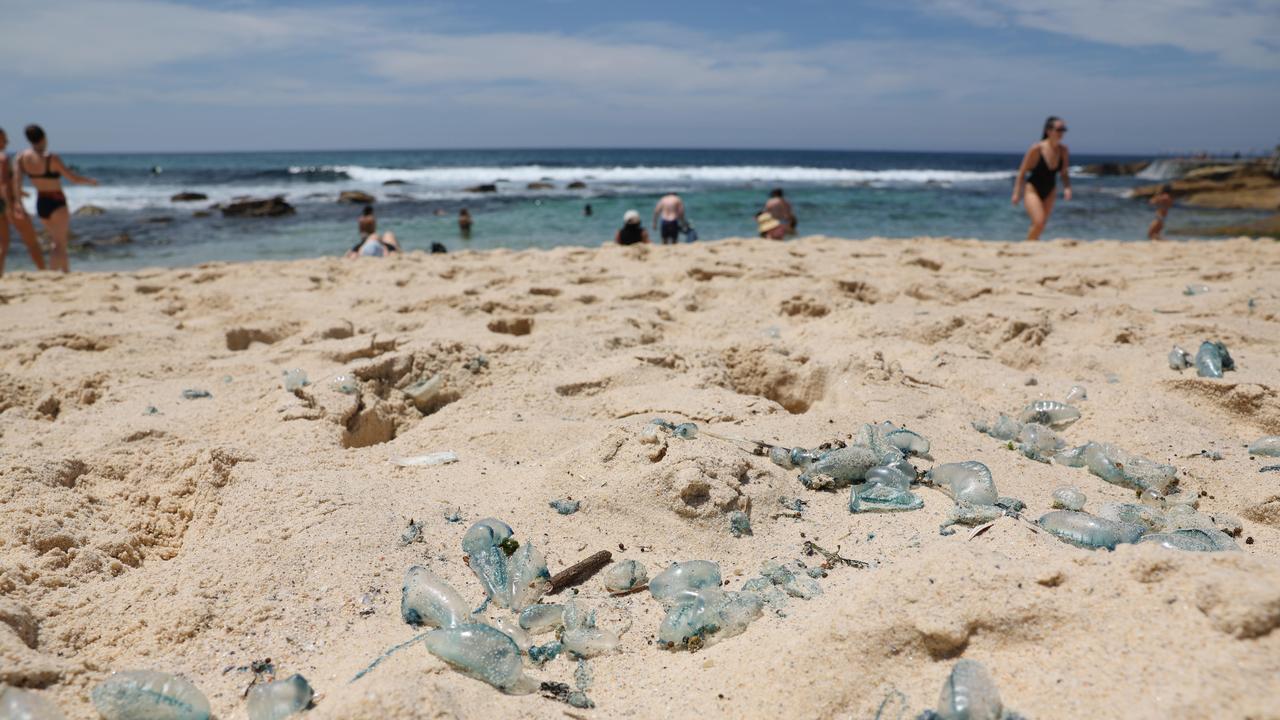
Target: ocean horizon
point(418, 193)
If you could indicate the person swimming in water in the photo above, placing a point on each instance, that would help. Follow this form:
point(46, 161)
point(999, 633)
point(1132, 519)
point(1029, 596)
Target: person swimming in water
point(46, 171)
point(464, 223)
point(1043, 162)
point(10, 199)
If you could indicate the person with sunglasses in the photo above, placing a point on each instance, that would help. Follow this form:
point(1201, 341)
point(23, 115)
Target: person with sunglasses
point(1040, 166)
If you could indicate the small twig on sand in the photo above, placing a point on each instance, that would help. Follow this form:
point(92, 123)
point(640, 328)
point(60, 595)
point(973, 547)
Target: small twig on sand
point(832, 558)
point(580, 571)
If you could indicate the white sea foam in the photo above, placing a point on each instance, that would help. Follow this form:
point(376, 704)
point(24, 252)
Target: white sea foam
point(709, 174)
point(449, 183)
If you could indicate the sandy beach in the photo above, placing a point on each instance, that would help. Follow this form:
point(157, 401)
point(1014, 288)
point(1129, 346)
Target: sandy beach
point(139, 529)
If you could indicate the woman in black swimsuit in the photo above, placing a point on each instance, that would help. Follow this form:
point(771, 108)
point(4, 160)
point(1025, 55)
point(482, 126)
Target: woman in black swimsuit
point(46, 171)
point(1040, 166)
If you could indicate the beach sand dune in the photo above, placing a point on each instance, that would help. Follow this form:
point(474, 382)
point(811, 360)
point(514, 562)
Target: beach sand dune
point(139, 529)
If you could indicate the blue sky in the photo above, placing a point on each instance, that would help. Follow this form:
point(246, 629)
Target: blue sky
point(1129, 76)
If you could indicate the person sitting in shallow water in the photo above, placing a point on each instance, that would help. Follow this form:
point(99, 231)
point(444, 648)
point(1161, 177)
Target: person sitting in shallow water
point(375, 246)
point(632, 231)
point(371, 243)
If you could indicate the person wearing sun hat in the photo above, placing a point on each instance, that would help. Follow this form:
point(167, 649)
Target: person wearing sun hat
point(631, 232)
point(769, 227)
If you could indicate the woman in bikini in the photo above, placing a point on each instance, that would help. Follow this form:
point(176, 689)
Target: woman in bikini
point(11, 198)
point(1040, 166)
point(46, 171)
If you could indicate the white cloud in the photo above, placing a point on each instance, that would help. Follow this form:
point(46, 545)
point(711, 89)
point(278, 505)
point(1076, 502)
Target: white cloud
point(105, 38)
point(1238, 32)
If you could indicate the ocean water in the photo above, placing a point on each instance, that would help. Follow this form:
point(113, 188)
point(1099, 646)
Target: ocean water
point(848, 194)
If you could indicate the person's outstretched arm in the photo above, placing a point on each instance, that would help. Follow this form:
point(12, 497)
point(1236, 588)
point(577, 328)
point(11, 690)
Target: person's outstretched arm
point(1020, 182)
point(1066, 172)
point(70, 174)
point(656, 209)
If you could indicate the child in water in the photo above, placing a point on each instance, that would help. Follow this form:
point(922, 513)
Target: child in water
point(1162, 201)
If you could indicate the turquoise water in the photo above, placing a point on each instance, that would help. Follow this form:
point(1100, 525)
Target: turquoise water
point(848, 194)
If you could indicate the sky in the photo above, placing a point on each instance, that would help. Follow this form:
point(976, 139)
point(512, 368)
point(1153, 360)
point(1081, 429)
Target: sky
point(1128, 76)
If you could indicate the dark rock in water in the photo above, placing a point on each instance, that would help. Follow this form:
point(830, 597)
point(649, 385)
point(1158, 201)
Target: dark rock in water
point(1102, 169)
point(395, 182)
point(486, 187)
point(120, 239)
point(89, 210)
point(1266, 227)
point(188, 197)
point(260, 207)
point(201, 213)
point(577, 185)
point(540, 186)
point(355, 197)
point(159, 220)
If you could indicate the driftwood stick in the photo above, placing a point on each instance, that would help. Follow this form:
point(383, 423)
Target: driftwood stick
point(580, 571)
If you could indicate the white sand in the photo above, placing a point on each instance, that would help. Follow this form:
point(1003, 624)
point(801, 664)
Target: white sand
point(241, 527)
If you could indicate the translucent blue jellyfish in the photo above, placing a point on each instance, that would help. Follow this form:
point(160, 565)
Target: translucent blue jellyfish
point(483, 545)
point(539, 619)
point(1268, 446)
point(687, 431)
point(483, 653)
point(969, 481)
point(886, 489)
point(136, 694)
point(1039, 443)
point(1077, 392)
point(625, 576)
point(1212, 359)
point(1050, 413)
point(791, 579)
point(840, 468)
point(295, 379)
point(426, 599)
point(279, 699)
point(789, 458)
point(1068, 498)
point(1088, 531)
point(346, 384)
point(1146, 517)
point(971, 515)
point(1194, 540)
point(1120, 467)
point(540, 654)
point(1004, 428)
point(530, 579)
point(739, 523)
point(1179, 359)
point(682, 576)
point(565, 506)
point(912, 444)
point(700, 617)
point(582, 638)
point(511, 628)
point(968, 694)
point(18, 704)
